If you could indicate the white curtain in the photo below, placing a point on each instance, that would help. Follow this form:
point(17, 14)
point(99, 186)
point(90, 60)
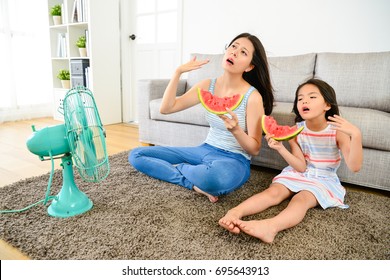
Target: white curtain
point(25, 73)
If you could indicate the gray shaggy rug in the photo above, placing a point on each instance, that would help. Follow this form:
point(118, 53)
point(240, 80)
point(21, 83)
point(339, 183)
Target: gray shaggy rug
point(137, 217)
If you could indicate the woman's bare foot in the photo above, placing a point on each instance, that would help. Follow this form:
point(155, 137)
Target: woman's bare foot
point(212, 198)
point(259, 229)
point(228, 221)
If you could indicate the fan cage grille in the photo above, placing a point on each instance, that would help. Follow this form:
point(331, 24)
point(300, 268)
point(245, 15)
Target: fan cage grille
point(86, 135)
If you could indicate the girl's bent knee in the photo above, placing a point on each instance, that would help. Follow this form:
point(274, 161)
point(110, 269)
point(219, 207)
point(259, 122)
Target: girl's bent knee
point(305, 198)
point(277, 192)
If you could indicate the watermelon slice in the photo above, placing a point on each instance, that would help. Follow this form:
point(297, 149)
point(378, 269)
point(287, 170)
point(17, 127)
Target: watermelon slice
point(218, 105)
point(280, 132)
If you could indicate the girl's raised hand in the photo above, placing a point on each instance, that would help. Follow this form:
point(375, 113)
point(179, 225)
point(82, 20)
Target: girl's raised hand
point(272, 143)
point(193, 64)
point(341, 124)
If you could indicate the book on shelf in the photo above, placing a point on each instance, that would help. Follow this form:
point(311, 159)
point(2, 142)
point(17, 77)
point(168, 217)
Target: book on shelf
point(74, 12)
point(64, 15)
point(62, 50)
point(87, 77)
point(87, 42)
point(80, 11)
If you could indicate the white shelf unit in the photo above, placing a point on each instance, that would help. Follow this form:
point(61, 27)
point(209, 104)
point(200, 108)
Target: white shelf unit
point(103, 53)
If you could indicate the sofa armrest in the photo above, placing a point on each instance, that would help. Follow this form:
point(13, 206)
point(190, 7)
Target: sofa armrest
point(148, 90)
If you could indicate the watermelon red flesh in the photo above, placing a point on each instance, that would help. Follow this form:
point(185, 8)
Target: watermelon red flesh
point(217, 105)
point(280, 132)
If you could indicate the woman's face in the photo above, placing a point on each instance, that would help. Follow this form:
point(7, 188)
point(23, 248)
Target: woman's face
point(238, 56)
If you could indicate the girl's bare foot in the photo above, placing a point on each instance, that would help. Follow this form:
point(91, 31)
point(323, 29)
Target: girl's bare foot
point(228, 221)
point(260, 229)
point(212, 198)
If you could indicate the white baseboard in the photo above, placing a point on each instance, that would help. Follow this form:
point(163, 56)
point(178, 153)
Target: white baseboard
point(26, 113)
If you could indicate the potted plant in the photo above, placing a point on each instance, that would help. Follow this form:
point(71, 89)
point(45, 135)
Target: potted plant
point(81, 44)
point(56, 13)
point(64, 76)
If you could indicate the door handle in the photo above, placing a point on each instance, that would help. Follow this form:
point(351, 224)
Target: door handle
point(132, 37)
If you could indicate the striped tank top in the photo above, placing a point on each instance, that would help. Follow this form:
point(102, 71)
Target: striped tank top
point(320, 148)
point(218, 135)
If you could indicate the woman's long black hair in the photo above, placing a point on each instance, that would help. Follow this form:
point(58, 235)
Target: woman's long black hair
point(259, 77)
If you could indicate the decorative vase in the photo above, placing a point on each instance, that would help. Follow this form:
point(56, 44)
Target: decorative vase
point(57, 20)
point(83, 52)
point(65, 84)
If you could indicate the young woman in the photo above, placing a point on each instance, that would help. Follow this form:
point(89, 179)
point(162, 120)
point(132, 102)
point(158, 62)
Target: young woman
point(311, 177)
point(222, 163)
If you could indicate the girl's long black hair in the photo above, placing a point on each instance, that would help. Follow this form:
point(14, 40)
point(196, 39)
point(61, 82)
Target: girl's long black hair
point(259, 77)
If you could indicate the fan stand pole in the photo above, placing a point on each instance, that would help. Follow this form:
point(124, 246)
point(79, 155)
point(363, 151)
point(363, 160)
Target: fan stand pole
point(70, 201)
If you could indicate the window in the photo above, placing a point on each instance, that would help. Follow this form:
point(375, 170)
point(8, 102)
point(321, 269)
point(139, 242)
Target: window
point(157, 21)
point(25, 63)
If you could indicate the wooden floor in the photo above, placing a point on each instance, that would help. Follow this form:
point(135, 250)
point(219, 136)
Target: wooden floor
point(17, 163)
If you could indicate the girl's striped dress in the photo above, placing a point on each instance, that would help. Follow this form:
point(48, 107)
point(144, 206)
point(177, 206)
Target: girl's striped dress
point(323, 159)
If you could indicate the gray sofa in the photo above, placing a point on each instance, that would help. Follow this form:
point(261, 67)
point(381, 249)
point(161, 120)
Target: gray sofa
point(361, 82)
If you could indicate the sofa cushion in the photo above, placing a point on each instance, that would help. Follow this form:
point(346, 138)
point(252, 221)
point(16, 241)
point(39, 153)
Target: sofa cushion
point(360, 79)
point(373, 124)
point(194, 115)
point(288, 72)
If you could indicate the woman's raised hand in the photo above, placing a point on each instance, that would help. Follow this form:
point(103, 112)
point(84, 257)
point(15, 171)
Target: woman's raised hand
point(193, 64)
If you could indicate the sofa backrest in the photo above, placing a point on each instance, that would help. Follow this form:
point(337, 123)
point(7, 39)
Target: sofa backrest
point(360, 79)
point(288, 72)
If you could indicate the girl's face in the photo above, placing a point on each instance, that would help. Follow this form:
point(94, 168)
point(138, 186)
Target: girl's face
point(311, 104)
point(238, 56)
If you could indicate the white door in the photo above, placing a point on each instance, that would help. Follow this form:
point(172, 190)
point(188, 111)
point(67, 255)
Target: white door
point(150, 46)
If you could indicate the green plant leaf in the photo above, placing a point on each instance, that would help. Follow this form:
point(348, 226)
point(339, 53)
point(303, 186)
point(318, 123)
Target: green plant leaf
point(81, 42)
point(63, 74)
point(55, 10)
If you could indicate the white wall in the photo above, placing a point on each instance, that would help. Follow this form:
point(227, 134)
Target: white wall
point(285, 27)
point(288, 27)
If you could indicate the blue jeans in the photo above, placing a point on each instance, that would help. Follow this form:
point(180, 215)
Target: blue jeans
point(212, 170)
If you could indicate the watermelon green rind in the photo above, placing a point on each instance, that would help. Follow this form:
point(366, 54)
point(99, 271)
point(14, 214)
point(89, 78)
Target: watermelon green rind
point(231, 106)
point(285, 137)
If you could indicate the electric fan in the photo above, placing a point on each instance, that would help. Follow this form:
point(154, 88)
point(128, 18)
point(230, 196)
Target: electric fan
point(79, 141)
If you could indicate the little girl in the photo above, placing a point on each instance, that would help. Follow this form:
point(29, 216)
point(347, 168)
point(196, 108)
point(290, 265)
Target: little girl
point(311, 177)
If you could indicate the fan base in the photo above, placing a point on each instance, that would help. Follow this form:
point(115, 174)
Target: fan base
point(70, 201)
point(64, 209)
